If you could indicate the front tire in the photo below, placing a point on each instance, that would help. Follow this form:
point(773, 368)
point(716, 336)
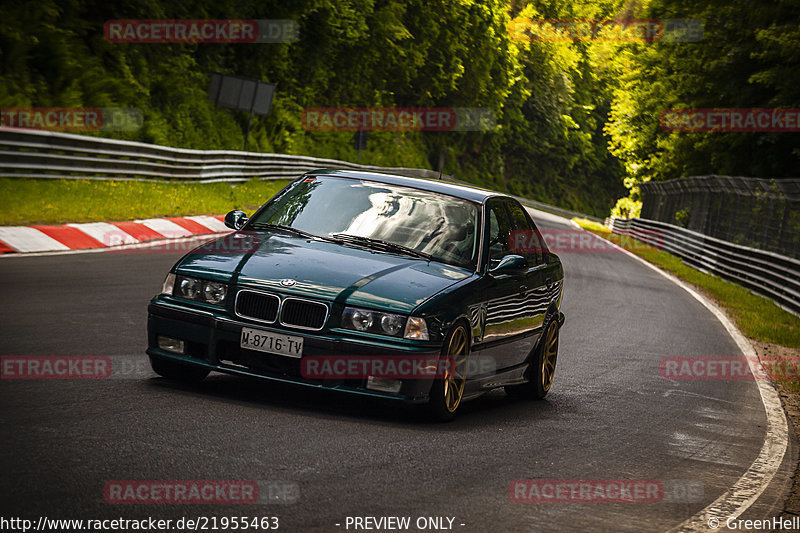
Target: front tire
point(178, 371)
point(447, 392)
point(543, 367)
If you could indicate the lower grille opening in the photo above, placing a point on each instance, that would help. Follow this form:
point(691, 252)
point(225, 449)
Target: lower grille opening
point(197, 350)
point(232, 354)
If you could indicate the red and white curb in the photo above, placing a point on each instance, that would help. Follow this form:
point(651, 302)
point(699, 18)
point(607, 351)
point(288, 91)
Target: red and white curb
point(65, 237)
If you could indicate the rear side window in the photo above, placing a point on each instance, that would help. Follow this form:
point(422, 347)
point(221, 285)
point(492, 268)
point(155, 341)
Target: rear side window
point(525, 237)
point(499, 231)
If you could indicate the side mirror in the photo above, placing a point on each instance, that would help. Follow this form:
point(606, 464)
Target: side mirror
point(510, 263)
point(236, 219)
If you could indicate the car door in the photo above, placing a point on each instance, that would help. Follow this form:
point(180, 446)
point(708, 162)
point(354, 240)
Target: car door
point(539, 277)
point(510, 320)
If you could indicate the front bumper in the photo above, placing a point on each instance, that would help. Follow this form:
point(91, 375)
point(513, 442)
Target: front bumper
point(211, 340)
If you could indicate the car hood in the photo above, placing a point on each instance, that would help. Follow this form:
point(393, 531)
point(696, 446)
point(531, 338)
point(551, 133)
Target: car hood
point(321, 270)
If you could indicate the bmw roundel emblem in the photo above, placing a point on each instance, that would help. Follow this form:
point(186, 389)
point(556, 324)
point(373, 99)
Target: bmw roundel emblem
point(288, 282)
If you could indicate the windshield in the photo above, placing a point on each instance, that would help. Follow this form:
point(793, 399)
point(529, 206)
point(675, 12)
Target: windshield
point(438, 225)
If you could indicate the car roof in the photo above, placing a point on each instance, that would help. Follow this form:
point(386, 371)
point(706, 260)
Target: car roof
point(474, 194)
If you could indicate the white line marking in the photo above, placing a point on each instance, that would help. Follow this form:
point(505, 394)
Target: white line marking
point(25, 239)
point(737, 499)
point(107, 234)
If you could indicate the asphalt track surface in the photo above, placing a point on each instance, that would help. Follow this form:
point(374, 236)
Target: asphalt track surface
point(610, 414)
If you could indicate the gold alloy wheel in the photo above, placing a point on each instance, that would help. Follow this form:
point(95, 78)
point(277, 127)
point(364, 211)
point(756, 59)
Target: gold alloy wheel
point(549, 355)
point(456, 374)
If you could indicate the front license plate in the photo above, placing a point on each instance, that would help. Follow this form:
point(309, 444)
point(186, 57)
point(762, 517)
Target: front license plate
point(266, 341)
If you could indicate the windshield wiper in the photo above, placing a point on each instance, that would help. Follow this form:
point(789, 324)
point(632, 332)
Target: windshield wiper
point(383, 245)
point(290, 229)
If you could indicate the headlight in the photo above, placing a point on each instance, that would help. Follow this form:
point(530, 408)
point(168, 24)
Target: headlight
point(189, 288)
point(214, 293)
point(392, 324)
point(373, 321)
point(211, 292)
point(361, 320)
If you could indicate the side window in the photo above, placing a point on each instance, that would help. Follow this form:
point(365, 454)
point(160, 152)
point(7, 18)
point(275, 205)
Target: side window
point(526, 240)
point(499, 231)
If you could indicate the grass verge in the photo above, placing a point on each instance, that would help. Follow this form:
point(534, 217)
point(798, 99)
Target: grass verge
point(58, 201)
point(755, 316)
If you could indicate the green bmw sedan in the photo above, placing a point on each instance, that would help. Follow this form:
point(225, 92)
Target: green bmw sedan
point(415, 290)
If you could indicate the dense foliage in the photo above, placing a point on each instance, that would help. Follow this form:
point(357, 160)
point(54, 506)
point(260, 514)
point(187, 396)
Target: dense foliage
point(575, 120)
point(749, 57)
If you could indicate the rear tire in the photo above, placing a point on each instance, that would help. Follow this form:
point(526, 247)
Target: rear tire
point(178, 371)
point(543, 368)
point(447, 392)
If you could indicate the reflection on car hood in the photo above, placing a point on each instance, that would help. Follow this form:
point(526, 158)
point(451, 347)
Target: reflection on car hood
point(321, 270)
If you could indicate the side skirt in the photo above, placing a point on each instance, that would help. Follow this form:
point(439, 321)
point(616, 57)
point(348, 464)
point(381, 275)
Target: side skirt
point(511, 376)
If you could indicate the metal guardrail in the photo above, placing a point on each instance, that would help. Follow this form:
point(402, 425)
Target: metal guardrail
point(756, 212)
point(44, 154)
point(765, 273)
